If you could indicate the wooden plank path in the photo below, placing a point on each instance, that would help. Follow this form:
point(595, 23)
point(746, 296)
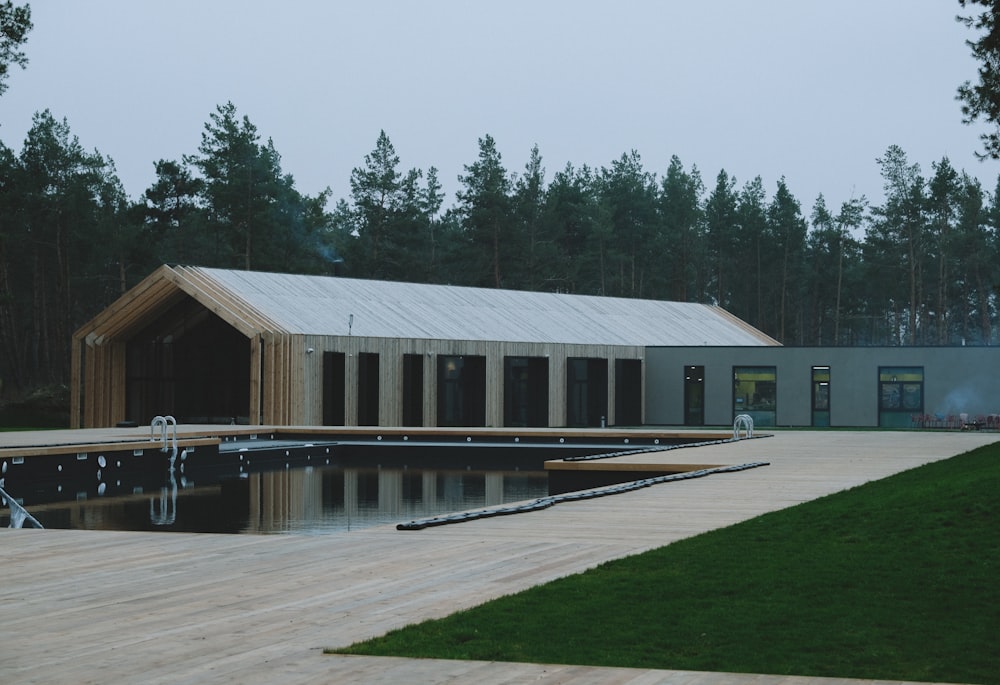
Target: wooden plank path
point(73, 439)
point(123, 607)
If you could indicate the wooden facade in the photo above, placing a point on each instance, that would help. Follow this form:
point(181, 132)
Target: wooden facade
point(211, 346)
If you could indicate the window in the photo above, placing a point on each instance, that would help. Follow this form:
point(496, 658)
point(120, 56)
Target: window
point(413, 389)
point(628, 392)
point(461, 390)
point(334, 381)
point(586, 391)
point(368, 389)
point(526, 391)
point(755, 393)
point(900, 395)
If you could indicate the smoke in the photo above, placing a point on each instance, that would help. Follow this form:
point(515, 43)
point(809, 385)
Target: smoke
point(328, 254)
point(964, 399)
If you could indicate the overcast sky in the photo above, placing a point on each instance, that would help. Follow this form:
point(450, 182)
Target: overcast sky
point(813, 91)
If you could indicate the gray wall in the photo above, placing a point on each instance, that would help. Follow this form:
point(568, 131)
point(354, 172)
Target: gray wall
point(956, 379)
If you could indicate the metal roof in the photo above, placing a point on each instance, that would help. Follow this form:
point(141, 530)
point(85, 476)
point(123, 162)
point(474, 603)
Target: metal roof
point(326, 305)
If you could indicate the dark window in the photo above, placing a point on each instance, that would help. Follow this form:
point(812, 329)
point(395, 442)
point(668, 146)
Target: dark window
point(334, 383)
point(628, 392)
point(190, 364)
point(586, 391)
point(413, 389)
point(461, 390)
point(526, 391)
point(368, 386)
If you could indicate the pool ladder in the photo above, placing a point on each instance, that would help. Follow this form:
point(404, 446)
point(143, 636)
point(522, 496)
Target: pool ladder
point(18, 514)
point(163, 422)
point(744, 422)
point(164, 512)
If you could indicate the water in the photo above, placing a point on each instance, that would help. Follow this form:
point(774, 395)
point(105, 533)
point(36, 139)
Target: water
point(281, 486)
point(303, 500)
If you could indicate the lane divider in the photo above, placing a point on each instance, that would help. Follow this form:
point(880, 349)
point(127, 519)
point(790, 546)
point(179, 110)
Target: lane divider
point(546, 502)
point(657, 448)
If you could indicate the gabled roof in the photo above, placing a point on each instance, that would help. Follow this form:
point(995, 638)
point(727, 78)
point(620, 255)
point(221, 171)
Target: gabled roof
point(254, 301)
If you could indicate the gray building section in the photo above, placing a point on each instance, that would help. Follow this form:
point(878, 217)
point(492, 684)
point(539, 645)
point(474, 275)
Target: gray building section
point(865, 386)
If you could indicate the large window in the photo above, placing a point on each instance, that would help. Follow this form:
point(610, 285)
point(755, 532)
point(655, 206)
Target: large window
point(190, 365)
point(628, 392)
point(334, 381)
point(368, 389)
point(586, 391)
point(755, 393)
point(413, 389)
point(900, 395)
point(526, 391)
point(461, 390)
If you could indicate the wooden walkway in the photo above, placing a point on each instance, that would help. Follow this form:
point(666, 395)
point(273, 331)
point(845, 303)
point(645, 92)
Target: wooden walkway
point(101, 607)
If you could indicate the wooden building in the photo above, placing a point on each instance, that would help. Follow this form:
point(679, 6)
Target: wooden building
point(222, 346)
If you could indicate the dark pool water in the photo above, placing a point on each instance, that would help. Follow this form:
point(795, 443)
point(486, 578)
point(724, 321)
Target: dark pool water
point(302, 500)
point(275, 486)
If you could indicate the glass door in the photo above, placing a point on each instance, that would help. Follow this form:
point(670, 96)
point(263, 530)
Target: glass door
point(694, 395)
point(821, 395)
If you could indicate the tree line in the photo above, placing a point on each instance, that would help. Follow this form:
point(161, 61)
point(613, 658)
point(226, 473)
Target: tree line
point(919, 268)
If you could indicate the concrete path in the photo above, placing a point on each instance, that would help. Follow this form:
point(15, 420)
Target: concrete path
point(103, 607)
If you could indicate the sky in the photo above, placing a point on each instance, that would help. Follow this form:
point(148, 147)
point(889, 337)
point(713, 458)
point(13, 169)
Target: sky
point(814, 92)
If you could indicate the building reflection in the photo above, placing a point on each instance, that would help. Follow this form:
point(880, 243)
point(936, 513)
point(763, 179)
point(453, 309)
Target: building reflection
point(308, 500)
point(320, 499)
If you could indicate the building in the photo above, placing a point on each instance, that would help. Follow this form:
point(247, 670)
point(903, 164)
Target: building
point(889, 387)
point(221, 346)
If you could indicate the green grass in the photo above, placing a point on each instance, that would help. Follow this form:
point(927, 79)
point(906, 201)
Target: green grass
point(896, 580)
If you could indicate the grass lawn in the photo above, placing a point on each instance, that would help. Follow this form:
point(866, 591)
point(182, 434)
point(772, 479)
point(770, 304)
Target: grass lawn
point(896, 580)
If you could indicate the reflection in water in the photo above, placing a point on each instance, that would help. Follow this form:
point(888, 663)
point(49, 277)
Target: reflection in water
point(331, 499)
point(309, 500)
point(166, 513)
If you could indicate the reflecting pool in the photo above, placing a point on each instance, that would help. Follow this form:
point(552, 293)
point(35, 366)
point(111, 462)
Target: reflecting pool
point(302, 499)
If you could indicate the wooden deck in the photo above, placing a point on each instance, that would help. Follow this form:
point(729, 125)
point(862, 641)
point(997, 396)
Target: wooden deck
point(100, 607)
point(29, 443)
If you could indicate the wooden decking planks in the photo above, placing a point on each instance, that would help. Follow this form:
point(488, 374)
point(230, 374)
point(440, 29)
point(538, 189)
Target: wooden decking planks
point(86, 439)
point(86, 606)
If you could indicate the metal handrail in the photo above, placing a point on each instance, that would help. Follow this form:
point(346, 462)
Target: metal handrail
point(163, 422)
point(18, 514)
point(744, 421)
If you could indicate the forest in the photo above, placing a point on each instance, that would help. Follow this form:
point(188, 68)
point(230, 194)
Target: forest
point(921, 268)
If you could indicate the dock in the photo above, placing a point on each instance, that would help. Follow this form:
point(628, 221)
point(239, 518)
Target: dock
point(82, 606)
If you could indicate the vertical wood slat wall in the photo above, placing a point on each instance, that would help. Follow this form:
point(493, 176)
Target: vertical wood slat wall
point(286, 382)
point(290, 389)
point(308, 382)
point(256, 380)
